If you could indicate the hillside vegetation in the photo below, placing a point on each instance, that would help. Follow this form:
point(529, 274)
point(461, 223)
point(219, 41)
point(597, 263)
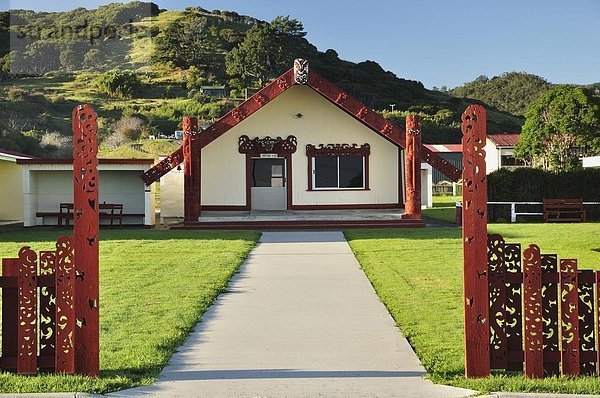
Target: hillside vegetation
point(150, 65)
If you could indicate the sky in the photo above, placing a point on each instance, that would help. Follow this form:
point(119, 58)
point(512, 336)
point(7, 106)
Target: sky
point(440, 43)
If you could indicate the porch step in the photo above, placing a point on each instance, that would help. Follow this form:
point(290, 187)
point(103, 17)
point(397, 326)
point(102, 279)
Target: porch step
point(303, 224)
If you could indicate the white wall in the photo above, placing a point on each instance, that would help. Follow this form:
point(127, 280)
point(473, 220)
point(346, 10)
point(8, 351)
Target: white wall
point(224, 169)
point(492, 156)
point(46, 186)
point(11, 191)
point(171, 194)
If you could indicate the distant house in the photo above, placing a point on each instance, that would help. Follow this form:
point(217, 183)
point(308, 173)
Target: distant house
point(591, 162)
point(450, 152)
point(499, 152)
point(215, 91)
point(11, 186)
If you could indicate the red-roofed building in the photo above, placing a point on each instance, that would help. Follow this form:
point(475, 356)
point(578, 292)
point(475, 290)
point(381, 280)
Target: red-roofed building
point(451, 152)
point(499, 151)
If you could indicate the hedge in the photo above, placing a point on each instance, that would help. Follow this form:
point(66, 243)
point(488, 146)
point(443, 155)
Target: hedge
point(532, 185)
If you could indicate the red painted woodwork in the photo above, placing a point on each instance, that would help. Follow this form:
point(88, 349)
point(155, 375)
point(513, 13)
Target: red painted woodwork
point(27, 324)
point(477, 331)
point(550, 310)
point(532, 312)
point(191, 169)
point(47, 296)
point(10, 306)
point(586, 305)
point(302, 75)
point(412, 204)
point(323, 150)
point(257, 146)
point(569, 317)
point(85, 240)
point(65, 299)
point(163, 167)
point(497, 297)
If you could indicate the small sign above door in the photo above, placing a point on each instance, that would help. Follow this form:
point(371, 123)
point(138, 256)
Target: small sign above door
point(268, 155)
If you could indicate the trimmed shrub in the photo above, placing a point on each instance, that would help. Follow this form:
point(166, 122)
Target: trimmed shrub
point(532, 185)
point(119, 84)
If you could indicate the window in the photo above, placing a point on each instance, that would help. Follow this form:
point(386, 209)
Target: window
point(339, 172)
point(338, 166)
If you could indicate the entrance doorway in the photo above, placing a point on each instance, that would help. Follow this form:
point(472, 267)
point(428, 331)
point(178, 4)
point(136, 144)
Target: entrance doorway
point(268, 184)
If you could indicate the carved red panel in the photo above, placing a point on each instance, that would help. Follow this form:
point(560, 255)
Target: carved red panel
point(497, 294)
point(412, 205)
point(586, 304)
point(256, 146)
point(330, 150)
point(597, 280)
point(550, 310)
point(163, 167)
point(191, 169)
point(514, 313)
point(569, 312)
point(85, 240)
point(27, 324)
point(477, 330)
point(65, 311)
point(47, 306)
point(532, 312)
point(10, 306)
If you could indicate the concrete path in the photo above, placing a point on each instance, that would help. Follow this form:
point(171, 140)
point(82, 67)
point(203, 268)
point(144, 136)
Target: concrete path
point(299, 320)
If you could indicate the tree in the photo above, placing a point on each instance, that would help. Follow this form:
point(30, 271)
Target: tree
point(561, 125)
point(267, 50)
point(118, 84)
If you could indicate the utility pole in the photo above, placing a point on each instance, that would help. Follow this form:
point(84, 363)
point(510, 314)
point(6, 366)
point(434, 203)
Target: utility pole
point(392, 106)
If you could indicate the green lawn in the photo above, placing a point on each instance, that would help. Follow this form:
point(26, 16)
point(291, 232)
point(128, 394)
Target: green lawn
point(418, 275)
point(443, 209)
point(154, 287)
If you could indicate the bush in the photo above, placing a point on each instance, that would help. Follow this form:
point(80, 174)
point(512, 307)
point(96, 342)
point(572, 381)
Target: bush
point(532, 185)
point(119, 84)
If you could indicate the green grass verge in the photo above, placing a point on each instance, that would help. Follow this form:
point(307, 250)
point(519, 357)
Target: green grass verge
point(443, 209)
point(418, 275)
point(154, 287)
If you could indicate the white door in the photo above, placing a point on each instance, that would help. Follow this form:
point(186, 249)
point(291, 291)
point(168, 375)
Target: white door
point(268, 190)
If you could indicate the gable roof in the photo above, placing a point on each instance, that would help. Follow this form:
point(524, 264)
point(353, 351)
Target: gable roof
point(504, 140)
point(303, 76)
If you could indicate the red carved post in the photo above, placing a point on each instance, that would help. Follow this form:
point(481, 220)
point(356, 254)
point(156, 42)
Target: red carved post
point(569, 316)
point(532, 312)
point(27, 330)
point(477, 328)
point(191, 169)
point(65, 312)
point(10, 307)
point(413, 167)
point(85, 240)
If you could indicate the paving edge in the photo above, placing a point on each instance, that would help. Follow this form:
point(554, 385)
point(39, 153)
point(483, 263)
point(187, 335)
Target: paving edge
point(533, 395)
point(51, 395)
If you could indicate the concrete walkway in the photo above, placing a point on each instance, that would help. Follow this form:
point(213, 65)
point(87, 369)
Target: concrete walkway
point(299, 320)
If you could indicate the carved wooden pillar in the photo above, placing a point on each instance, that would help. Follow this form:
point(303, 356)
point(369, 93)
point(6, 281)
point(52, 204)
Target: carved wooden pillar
point(191, 169)
point(412, 205)
point(86, 332)
point(475, 256)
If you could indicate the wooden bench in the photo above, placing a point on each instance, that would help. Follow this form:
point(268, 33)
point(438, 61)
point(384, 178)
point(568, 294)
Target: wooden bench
point(564, 210)
point(106, 211)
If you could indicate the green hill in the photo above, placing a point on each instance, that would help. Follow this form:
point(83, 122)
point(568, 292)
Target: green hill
point(173, 54)
point(511, 92)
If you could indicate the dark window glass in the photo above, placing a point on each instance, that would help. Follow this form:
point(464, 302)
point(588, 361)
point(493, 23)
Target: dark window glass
point(351, 172)
point(326, 172)
point(268, 172)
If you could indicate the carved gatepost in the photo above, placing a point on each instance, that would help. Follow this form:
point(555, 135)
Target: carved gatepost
point(191, 169)
point(413, 167)
point(475, 258)
point(86, 333)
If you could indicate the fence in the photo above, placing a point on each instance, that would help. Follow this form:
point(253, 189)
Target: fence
point(50, 299)
point(542, 312)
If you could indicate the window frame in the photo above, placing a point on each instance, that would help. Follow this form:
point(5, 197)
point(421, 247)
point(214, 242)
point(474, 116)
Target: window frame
point(337, 151)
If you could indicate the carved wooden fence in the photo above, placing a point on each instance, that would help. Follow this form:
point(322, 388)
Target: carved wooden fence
point(50, 299)
point(543, 312)
point(524, 311)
